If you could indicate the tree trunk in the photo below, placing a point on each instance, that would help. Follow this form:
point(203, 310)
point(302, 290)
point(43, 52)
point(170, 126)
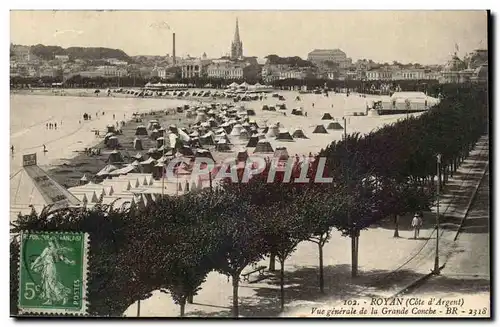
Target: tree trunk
point(321, 276)
point(396, 226)
point(272, 262)
point(354, 257)
point(183, 306)
point(139, 308)
point(282, 285)
point(236, 282)
point(190, 299)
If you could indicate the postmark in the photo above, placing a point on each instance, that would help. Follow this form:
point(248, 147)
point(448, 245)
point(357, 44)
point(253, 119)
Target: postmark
point(53, 273)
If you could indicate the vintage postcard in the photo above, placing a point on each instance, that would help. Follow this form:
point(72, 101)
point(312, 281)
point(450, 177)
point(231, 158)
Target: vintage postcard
point(319, 164)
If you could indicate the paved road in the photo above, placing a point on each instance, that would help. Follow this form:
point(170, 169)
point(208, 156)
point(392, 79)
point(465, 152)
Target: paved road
point(466, 273)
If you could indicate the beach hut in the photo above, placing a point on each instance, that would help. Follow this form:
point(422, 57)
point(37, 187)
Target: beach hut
point(138, 156)
point(227, 127)
point(250, 112)
point(263, 146)
point(115, 157)
point(284, 136)
point(281, 153)
point(272, 108)
point(281, 106)
point(244, 135)
point(211, 123)
point(242, 155)
point(299, 134)
point(334, 125)
point(141, 131)
point(320, 129)
point(153, 124)
point(252, 142)
point(222, 146)
point(298, 112)
point(110, 128)
point(265, 107)
point(158, 171)
point(186, 151)
point(138, 144)
point(327, 116)
point(273, 131)
point(112, 142)
point(155, 134)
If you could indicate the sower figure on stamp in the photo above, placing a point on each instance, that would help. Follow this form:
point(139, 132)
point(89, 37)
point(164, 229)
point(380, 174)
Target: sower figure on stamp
point(416, 224)
point(52, 288)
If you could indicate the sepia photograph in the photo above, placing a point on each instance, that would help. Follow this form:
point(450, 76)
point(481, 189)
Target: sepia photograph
point(250, 164)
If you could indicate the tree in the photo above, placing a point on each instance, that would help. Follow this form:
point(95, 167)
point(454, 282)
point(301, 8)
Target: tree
point(239, 230)
point(111, 286)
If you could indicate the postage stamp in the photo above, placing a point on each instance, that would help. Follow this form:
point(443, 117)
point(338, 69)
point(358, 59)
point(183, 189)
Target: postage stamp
point(53, 273)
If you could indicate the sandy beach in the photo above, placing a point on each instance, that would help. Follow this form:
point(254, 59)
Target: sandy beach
point(30, 114)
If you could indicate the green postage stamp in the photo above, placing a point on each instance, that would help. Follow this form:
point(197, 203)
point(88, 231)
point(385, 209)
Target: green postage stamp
point(53, 273)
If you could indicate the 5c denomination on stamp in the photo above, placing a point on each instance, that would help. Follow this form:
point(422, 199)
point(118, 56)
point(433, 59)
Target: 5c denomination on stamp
point(53, 273)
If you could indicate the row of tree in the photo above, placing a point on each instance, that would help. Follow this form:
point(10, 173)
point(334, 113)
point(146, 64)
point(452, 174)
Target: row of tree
point(173, 243)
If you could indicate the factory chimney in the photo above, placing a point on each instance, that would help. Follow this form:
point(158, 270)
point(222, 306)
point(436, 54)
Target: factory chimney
point(173, 46)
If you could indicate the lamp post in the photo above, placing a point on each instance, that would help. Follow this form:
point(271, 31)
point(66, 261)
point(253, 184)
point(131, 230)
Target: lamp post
point(436, 258)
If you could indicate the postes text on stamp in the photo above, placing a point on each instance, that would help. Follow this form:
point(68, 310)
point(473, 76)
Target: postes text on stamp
point(53, 273)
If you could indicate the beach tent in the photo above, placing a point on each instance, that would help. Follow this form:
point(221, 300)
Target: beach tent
point(327, 116)
point(233, 85)
point(299, 134)
point(236, 130)
point(104, 173)
point(112, 142)
point(154, 153)
point(141, 130)
point(160, 141)
point(263, 146)
point(281, 153)
point(204, 153)
point(201, 117)
point(242, 155)
point(211, 123)
point(110, 128)
point(138, 156)
point(265, 107)
point(186, 151)
point(320, 129)
point(250, 112)
point(244, 85)
point(284, 135)
point(84, 180)
point(297, 112)
point(335, 125)
point(147, 165)
point(115, 157)
point(189, 113)
point(273, 131)
point(281, 106)
point(272, 108)
point(153, 123)
point(252, 142)
point(155, 134)
point(138, 144)
point(244, 135)
point(222, 145)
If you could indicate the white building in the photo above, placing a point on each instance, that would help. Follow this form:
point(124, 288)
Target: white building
point(225, 69)
point(62, 58)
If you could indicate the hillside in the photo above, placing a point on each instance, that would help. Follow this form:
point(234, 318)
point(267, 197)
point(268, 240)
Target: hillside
point(47, 52)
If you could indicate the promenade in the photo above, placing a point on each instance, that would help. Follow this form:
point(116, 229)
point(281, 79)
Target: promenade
point(387, 265)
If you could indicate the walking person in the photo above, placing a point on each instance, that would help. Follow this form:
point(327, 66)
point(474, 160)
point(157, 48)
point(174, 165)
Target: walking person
point(416, 224)
point(44, 148)
point(12, 149)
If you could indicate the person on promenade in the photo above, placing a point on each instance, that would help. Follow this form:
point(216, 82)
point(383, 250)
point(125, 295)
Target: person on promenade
point(47, 125)
point(44, 148)
point(416, 223)
point(12, 149)
point(55, 125)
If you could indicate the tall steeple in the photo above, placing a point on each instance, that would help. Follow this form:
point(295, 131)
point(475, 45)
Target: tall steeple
point(236, 45)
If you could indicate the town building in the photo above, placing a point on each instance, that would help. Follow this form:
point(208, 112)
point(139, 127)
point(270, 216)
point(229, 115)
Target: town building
point(237, 44)
point(319, 56)
point(234, 70)
point(116, 62)
point(62, 58)
point(194, 68)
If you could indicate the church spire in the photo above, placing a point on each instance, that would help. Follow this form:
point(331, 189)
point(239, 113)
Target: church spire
point(237, 33)
point(236, 45)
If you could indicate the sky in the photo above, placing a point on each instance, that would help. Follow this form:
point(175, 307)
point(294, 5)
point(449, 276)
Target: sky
point(426, 37)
